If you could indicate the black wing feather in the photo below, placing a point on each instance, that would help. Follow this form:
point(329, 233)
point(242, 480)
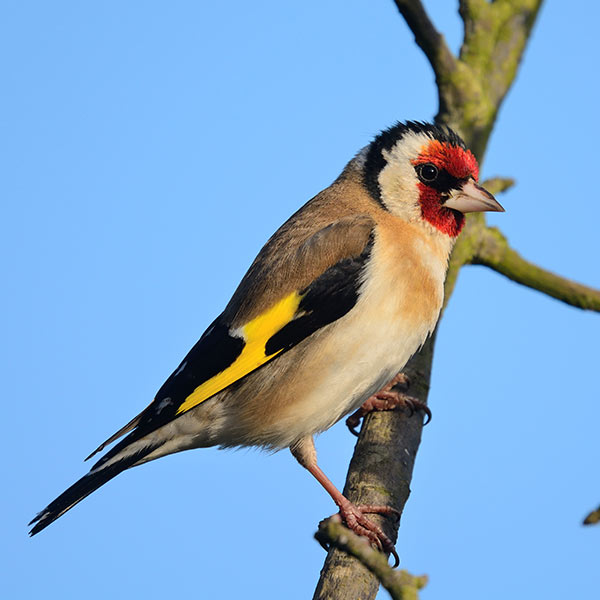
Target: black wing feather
point(214, 352)
point(84, 487)
point(325, 300)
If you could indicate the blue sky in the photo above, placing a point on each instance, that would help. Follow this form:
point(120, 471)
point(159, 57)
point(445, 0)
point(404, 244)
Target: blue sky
point(148, 151)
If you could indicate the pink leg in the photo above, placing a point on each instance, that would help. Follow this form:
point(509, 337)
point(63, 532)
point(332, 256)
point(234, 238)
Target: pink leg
point(388, 399)
point(353, 515)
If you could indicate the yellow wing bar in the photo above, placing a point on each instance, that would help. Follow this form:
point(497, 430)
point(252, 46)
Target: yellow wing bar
point(256, 333)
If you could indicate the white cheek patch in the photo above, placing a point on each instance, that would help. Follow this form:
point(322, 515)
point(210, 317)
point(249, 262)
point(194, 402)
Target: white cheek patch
point(398, 180)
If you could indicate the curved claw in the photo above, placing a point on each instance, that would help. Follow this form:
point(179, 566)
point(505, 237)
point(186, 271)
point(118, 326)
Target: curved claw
point(415, 405)
point(352, 422)
point(354, 517)
point(322, 542)
point(386, 399)
point(427, 412)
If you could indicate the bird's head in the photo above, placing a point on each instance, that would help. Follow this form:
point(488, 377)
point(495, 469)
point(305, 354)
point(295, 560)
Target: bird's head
point(424, 173)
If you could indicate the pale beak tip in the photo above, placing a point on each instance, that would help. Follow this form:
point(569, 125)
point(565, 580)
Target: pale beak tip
point(474, 198)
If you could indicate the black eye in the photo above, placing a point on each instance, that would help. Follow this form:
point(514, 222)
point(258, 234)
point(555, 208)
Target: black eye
point(427, 173)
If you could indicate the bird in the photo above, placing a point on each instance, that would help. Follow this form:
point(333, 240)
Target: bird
point(334, 305)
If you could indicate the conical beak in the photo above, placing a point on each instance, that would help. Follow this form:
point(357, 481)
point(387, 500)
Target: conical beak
point(473, 198)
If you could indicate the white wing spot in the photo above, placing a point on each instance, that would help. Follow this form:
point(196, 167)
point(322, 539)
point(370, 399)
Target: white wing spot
point(163, 404)
point(181, 368)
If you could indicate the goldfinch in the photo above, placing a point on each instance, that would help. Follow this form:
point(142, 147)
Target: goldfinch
point(333, 306)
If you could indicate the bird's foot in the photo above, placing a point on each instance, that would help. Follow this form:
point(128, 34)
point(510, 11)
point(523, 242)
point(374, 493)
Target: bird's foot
point(355, 519)
point(388, 399)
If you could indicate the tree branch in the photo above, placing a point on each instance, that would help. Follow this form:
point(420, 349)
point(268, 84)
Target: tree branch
point(593, 518)
point(495, 37)
point(400, 584)
point(428, 38)
point(495, 252)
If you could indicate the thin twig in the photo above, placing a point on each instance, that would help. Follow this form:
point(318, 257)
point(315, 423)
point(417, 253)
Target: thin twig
point(593, 518)
point(428, 38)
point(495, 252)
point(400, 584)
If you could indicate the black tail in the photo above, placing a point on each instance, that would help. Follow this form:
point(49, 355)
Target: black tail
point(89, 483)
